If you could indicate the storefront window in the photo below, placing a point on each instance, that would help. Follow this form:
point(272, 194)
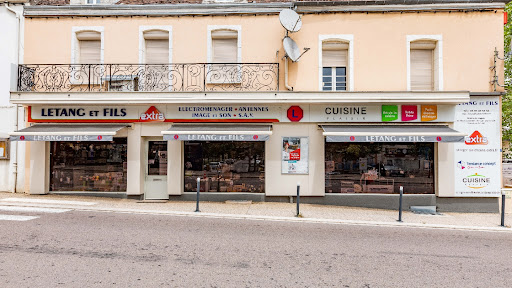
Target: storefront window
point(225, 166)
point(88, 166)
point(379, 168)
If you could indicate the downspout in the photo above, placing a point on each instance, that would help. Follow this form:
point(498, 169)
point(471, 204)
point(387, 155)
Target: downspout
point(286, 74)
point(18, 30)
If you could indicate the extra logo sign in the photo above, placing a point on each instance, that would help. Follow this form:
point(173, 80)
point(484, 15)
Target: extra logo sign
point(152, 115)
point(476, 139)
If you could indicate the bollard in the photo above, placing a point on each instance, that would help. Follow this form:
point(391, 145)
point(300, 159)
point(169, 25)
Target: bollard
point(502, 208)
point(298, 199)
point(400, 204)
point(197, 197)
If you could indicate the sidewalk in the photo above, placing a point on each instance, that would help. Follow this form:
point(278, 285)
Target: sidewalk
point(268, 211)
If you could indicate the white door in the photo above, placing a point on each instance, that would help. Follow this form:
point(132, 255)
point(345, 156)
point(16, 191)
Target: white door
point(155, 182)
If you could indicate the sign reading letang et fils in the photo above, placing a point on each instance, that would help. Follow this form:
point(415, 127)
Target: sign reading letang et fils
point(215, 137)
point(478, 158)
point(61, 138)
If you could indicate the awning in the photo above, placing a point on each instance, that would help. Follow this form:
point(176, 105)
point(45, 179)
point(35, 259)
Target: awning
point(391, 133)
point(70, 132)
point(211, 132)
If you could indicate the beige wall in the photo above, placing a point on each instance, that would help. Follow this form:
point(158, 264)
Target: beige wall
point(277, 184)
point(380, 50)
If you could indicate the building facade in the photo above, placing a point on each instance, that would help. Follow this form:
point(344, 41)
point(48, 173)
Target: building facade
point(352, 101)
point(11, 54)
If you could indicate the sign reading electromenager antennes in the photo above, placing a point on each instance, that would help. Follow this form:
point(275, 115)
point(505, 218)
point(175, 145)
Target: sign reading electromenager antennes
point(477, 159)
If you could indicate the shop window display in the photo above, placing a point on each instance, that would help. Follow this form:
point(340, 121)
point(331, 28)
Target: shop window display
point(225, 166)
point(379, 168)
point(88, 166)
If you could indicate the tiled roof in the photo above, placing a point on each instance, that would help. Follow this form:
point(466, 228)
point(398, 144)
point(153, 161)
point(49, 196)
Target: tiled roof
point(49, 2)
point(316, 2)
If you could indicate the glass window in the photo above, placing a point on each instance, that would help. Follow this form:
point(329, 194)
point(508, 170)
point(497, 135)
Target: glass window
point(88, 166)
point(157, 158)
point(225, 166)
point(379, 168)
point(334, 78)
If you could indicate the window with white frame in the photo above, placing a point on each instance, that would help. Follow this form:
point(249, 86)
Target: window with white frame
point(334, 65)
point(156, 47)
point(422, 67)
point(224, 52)
point(156, 57)
point(89, 46)
point(224, 46)
point(92, 1)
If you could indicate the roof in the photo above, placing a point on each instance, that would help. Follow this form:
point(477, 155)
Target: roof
point(297, 2)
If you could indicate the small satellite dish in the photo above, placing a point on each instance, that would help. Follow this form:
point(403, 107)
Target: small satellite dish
point(291, 49)
point(290, 20)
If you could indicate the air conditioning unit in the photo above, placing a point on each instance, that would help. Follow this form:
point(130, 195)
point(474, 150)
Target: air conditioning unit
point(122, 83)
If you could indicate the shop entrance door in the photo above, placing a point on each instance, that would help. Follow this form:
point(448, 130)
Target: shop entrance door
point(155, 182)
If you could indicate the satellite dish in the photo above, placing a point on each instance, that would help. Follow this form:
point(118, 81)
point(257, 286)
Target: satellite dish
point(290, 20)
point(291, 49)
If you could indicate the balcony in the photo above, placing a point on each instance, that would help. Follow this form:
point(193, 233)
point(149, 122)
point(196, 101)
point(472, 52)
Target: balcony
point(196, 77)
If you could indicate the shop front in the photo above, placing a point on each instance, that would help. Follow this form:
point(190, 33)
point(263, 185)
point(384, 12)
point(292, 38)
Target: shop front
point(227, 158)
point(383, 158)
point(333, 151)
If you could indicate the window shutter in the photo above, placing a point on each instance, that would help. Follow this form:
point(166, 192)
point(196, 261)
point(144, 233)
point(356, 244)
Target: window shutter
point(156, 35)
point(90, 51)
point(157, 51)
point(334, 54)
point(225, 50)
point(421, 70)
point(88, 35)
point(224, 34)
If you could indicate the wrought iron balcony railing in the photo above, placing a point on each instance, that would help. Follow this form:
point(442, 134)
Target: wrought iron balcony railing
point(195, 77)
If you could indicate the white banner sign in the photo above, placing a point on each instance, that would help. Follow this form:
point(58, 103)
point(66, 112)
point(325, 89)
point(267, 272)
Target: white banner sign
point(478, 158)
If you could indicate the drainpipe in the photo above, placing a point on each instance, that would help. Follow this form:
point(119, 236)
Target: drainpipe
point(18, 30)
point(286, 74)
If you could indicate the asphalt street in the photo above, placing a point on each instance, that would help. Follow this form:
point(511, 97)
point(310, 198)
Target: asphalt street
point(71, 248)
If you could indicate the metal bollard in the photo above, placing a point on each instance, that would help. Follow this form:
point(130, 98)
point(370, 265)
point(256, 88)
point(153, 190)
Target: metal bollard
point(298, 199)
point(197, 197)
point(502, 207)
point(400, 204)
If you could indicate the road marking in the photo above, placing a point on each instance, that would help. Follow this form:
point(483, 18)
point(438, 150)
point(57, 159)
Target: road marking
point(32, 209)
point(47, 201)
point(17, 217)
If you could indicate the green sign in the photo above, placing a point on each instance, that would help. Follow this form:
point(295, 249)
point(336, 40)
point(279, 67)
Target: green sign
point(389, 113)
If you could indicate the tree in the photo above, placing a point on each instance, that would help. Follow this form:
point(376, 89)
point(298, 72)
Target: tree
point(507, 98)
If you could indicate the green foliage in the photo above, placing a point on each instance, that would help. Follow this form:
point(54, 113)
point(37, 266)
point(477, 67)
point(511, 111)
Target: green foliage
point(507, 98)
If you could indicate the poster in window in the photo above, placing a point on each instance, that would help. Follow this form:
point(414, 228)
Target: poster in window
point(295, 156)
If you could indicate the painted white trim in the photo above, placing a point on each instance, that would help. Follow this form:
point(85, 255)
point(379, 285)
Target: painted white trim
point(237, 28)
point(75, 45)
point(438, 59)
point(142, 46)
point(350, 69)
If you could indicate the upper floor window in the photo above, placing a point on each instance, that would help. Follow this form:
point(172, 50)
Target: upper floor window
point(92, 1)
point(334, 66)
point(422, 65)
point(224, 46)
point(156, 47)
point(425, 63)
point(335, 62)
point(89, 46)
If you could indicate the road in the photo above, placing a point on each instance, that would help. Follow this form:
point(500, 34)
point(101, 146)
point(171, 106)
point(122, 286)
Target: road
point(72, 248)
